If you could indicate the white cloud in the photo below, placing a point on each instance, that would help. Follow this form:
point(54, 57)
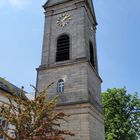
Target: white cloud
point(16, 4)
point(2, 3)
point(20, 4)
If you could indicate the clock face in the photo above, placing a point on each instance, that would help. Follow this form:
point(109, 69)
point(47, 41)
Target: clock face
point(63, 20)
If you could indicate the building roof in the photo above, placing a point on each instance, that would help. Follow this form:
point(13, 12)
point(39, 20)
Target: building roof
point(10, 88)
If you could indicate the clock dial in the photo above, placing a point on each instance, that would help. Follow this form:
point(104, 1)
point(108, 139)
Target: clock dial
point(63, 20)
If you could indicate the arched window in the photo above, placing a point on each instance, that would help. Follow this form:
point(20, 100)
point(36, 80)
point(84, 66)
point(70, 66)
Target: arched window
point(60, 86)
point(63, 51)
point(92, 56)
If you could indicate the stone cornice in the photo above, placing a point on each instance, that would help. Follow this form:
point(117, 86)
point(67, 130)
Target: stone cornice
point(67, 63)
point(49, 11)
point(83, 106)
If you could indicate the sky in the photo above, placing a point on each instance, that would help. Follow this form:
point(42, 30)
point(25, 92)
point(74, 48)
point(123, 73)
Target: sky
point(118, 42)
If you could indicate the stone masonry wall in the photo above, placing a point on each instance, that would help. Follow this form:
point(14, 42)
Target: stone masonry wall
point(84, 121)
point(75, 77)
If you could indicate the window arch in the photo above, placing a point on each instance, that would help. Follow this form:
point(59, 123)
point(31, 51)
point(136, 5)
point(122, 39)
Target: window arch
point(60, 86)
point(92, 54)
point(63, 48)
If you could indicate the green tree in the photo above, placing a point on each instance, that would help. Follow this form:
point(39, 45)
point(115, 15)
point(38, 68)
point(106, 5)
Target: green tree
point(32, 119)
point(122, 114)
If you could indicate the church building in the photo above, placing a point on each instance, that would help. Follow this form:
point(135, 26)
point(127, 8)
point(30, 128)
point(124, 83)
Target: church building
point(69, 59)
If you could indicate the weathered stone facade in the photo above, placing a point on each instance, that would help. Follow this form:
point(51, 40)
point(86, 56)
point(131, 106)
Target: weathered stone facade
point(81, 98)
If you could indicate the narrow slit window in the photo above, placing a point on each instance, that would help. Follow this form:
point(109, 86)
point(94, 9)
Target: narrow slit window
point(92, 56)
point(62, 52)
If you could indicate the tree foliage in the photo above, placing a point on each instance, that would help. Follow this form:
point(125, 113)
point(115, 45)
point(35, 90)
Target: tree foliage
point(122, 114)
point(32, 119)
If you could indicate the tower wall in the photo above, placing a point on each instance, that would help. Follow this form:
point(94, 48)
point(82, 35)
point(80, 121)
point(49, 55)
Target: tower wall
point(75, 76)
point(81, 97)
point(84, 121)
point(75, 30)
point(81, 83)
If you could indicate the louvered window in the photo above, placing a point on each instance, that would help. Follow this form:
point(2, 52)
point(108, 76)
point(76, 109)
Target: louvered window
point(92, 57)
point(63, 45)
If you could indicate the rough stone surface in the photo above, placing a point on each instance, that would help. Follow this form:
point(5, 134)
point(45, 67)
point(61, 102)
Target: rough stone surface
point(85, 121)
point(82, 94)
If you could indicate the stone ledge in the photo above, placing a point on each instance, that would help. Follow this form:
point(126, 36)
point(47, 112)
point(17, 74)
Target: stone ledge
point(67, 63)
point(78, 103)
point(83, 106)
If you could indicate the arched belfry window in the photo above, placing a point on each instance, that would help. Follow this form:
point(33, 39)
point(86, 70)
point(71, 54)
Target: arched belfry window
point(63, 48)
point(60, 86)
point(92, 54)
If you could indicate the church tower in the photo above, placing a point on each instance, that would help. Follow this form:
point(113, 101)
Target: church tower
point(69, 58)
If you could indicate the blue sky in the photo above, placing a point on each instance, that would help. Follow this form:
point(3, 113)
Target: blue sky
point(118, 42)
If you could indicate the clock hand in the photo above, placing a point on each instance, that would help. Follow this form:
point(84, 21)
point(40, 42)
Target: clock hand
point(66, 17)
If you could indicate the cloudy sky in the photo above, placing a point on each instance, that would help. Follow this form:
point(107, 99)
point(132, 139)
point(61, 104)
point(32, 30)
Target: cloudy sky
point(118, 42)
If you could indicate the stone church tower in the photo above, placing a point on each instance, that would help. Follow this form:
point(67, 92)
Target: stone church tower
point(69, 58)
